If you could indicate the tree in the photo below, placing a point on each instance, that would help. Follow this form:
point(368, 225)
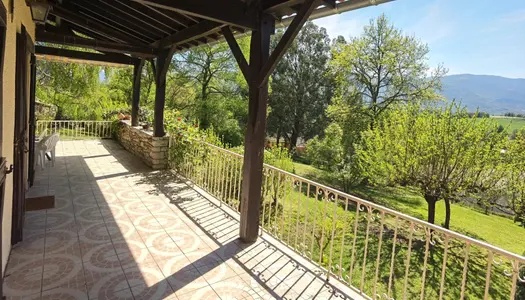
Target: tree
point(120, 84)
point(516, 176)
point(300, 87)
point(74, 101)
point(211, 69)
point(441, 151)
point(381, 68)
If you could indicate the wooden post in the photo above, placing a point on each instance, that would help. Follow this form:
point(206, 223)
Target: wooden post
point(255, 131)
point(32, 121)
point(161, 69)
point(137, 72)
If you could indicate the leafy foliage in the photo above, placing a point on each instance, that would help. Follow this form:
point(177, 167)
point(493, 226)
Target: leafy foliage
point(327, 152)
point(301, 87)
point(86, 99)
point(441, 151)
point(383, 67)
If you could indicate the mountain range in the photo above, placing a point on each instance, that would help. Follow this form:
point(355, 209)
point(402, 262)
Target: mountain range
point(493, 94)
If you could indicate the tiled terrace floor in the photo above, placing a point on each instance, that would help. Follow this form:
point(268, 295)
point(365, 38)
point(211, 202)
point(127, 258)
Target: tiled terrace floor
point(122, 231)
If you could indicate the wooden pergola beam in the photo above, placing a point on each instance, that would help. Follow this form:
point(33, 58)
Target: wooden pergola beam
point(89, 56)
point(135, 101)
point(161, 69)
point(62, 39)
point(192, 33)
point(236, 51)
point(232, 12)
point(286, 40)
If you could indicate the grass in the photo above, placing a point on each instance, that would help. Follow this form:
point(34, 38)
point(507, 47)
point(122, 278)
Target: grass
point(511, 123)
point(496, 230)
point(378, 254)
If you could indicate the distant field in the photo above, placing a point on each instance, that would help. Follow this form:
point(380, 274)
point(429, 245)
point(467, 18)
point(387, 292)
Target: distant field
point(511, 123)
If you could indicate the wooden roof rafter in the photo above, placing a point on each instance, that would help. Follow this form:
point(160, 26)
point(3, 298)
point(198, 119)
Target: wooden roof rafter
point(51, 53)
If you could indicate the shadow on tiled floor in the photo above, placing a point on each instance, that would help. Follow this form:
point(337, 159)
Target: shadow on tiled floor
point(122, 231)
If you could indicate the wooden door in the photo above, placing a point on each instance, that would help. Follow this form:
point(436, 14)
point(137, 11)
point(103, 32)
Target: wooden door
point(20, 137)
point(3, 22)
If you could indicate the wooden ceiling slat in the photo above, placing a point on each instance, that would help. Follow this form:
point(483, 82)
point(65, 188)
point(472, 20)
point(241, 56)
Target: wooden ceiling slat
point(232, 12)
point(136, 16)
point(90, 25)
point(160, 19)
point(131, 35)
point(202, 29)
point(117, 21)
point(180, 19)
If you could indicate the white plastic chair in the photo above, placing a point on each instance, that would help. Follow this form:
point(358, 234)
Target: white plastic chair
point(41, 136)
point(47, 145)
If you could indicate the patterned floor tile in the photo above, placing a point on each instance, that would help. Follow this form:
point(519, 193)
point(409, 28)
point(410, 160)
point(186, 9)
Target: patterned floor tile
point(148, 282)
point(162, 247)
point(64, 271)
point(111, 286)
point(204, 293)
point(115, 234)
point(23, 279)
point(64, 294)
point(234, 288)
point(181, 275)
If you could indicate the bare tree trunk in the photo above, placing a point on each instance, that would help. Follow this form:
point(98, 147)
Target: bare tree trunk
point(431, 201)
point(447, 214)
point(293, 140)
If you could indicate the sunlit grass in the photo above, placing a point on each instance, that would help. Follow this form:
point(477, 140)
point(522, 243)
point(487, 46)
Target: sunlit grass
point(496, 230)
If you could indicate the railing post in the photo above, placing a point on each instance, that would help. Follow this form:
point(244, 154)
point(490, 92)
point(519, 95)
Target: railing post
point(255, 132)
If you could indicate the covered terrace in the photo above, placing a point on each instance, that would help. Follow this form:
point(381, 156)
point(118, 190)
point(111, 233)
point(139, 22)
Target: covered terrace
point(122, 231)
point(140, 31)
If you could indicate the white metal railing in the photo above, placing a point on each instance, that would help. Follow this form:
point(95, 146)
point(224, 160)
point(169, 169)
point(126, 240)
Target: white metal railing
point(75, 129)
point(382, 253)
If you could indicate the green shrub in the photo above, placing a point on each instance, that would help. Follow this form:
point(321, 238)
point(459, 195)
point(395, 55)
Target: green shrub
point(326, 153)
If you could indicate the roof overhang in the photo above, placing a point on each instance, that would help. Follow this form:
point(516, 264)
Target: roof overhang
point(144, 28)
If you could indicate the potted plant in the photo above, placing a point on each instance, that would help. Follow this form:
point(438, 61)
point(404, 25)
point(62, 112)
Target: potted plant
point(147, 116)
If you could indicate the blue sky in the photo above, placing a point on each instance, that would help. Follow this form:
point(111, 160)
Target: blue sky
point(467, 36)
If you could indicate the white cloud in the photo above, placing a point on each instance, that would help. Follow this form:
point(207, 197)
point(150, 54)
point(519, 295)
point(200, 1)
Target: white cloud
point(435, 24)
point(342, 24)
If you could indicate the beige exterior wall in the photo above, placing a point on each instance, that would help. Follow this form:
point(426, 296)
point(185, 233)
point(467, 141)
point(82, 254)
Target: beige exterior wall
point(22, 15)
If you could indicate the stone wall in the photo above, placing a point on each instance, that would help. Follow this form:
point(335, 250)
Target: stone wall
point(151, 150)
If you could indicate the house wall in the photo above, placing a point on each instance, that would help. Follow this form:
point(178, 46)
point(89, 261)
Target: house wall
point(22, 15)
point(153, 151)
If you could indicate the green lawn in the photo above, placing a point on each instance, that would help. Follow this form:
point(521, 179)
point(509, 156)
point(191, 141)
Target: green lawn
point(496, 230)
point(510, 122)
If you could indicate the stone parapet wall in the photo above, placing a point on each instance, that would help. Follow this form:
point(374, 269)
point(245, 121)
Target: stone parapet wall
point(151, 150)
